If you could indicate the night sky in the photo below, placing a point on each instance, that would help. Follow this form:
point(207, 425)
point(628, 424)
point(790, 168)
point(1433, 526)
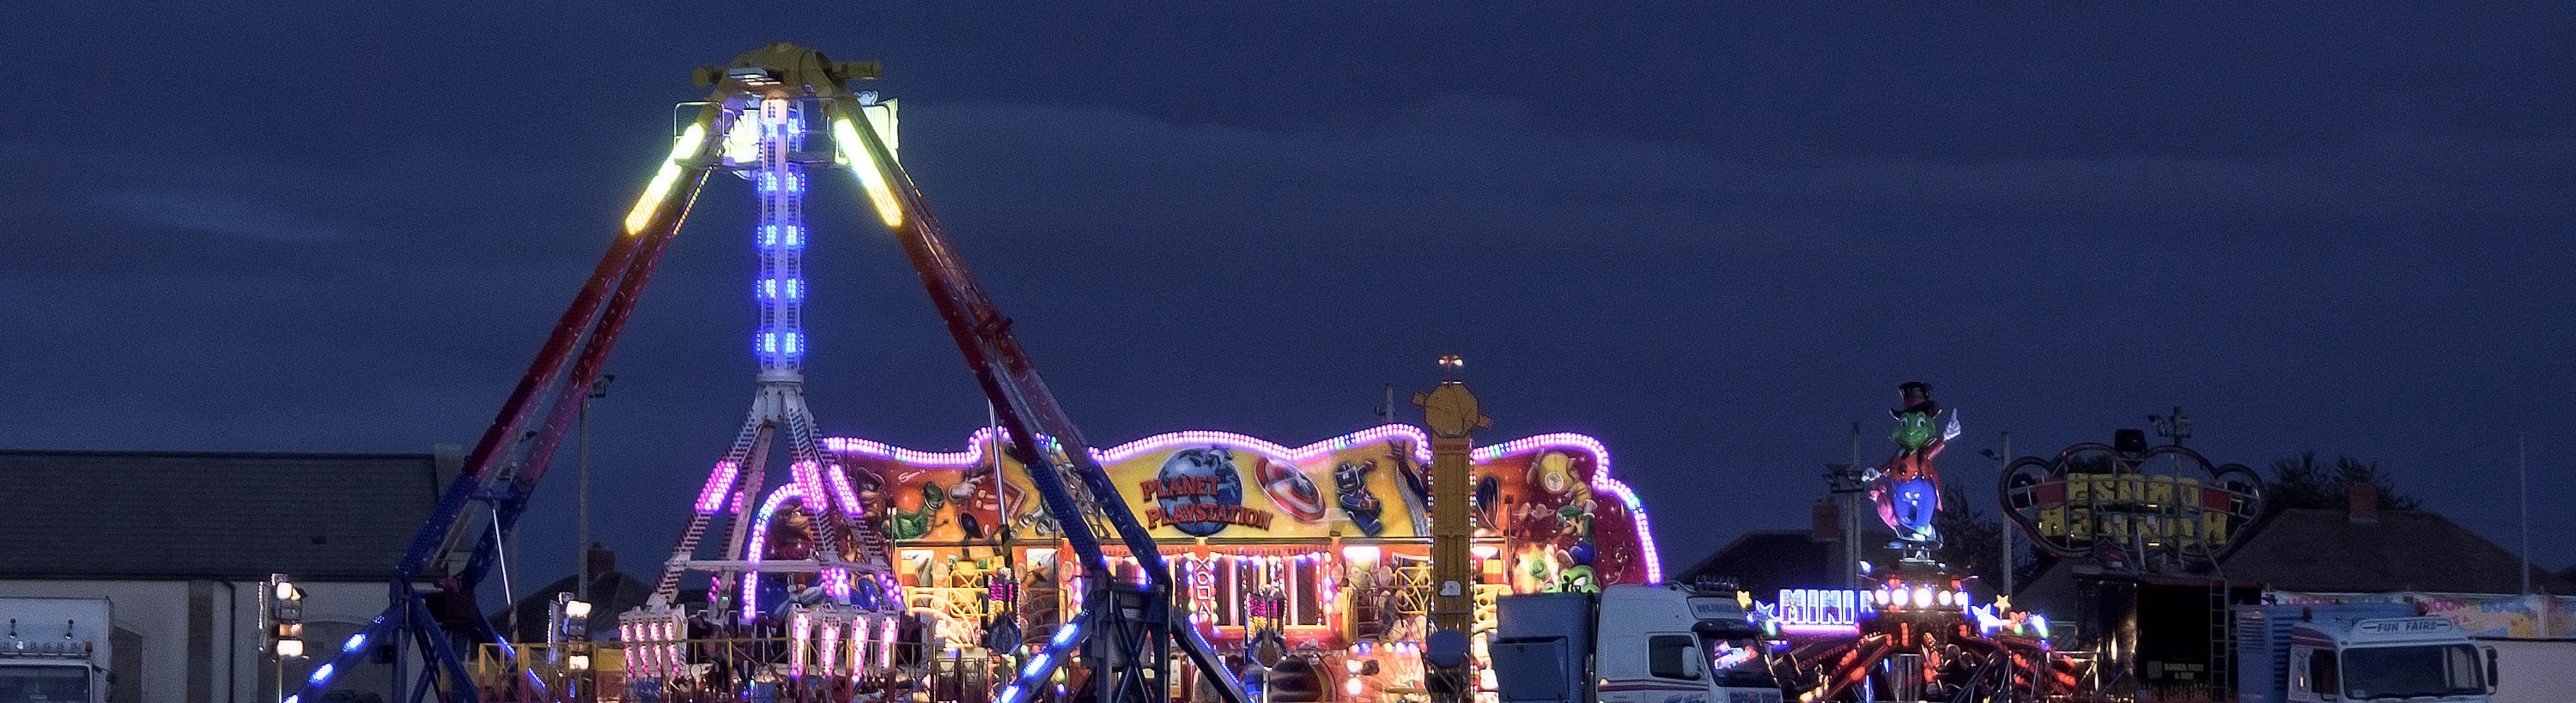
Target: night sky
point(1712, 235)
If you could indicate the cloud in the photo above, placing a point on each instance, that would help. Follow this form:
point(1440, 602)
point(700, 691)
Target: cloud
point(1467, 152)
point(208, 212)
point(2382, 174)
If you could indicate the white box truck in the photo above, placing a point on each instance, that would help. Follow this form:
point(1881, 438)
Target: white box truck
point(1628, 644)
point(2358, 653)
point(55, 650)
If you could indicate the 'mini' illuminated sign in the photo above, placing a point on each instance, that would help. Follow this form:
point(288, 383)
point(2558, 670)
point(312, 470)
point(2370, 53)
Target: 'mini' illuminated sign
point(1820, 607)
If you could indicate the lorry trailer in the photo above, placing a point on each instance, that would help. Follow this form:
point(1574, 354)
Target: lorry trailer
point(2533, 670)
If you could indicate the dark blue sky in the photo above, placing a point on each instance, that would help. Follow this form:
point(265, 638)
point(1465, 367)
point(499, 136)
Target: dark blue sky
point(1711, 235)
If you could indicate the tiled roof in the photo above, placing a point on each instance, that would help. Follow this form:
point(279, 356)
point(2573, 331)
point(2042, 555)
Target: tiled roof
point(169, 515)
point(1765, 561)
point(2404, 550)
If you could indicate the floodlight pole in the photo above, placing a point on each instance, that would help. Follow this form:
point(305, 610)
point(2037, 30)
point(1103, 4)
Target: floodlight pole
point(2522, 464)
point(581, 542)
point(2006, 565)
point(1852, 522)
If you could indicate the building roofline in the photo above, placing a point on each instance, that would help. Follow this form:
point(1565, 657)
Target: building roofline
point(2542, 578)
point(1739, 541)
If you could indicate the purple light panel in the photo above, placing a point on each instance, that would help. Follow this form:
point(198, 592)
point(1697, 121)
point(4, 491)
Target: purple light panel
point(712, 496)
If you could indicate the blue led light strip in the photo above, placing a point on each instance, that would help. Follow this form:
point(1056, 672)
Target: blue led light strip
point(780, 237)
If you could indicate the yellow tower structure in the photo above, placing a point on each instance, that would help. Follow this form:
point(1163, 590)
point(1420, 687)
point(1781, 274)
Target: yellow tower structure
point(1449, 412)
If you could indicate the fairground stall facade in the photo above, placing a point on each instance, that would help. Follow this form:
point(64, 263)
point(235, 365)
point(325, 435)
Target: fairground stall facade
point(1326, 545)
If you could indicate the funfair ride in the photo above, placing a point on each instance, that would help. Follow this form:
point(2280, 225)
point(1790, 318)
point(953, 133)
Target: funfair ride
point(1123, 632)
point(1917, 633)
point(842, 591)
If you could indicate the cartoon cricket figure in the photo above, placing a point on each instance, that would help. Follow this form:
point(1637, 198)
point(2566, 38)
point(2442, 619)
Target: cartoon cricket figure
point(1906, 488)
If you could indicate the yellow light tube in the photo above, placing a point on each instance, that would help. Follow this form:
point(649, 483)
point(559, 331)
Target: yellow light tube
point(870, 172)
point(664, 179)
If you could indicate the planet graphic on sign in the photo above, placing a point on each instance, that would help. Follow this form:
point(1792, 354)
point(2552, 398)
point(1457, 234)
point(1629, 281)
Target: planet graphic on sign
point(1289, 489)
point(1213, 464)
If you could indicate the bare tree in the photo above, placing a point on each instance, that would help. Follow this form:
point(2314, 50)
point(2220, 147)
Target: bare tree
point(1971, 540)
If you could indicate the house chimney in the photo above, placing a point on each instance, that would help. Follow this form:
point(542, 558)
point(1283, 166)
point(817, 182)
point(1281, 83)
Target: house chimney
point(601, 561)
point(2362, 501)
point(1826, 522)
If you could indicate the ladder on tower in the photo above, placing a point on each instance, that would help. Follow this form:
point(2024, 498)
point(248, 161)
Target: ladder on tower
point(2222, 638)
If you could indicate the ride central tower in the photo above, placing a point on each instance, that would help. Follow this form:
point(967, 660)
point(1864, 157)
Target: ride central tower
point(780, 238)
point(781, 101)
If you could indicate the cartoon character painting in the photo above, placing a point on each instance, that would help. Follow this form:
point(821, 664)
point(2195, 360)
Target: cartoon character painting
point(1554, 569)
point(1350, 490)
point(1414, 485)
point(1489, 496)
point(1536, 573)
point(985, 503)
point(1906, 488)
point(910, 518)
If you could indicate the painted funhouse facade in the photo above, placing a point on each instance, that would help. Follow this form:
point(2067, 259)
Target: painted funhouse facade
point(1334, 536)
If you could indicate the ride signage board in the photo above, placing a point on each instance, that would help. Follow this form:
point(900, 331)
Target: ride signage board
point(2145, 510)
point(1816, 606)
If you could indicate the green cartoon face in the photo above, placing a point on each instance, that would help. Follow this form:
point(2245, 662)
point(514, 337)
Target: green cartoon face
point(1578, 580)
point(1913, 430)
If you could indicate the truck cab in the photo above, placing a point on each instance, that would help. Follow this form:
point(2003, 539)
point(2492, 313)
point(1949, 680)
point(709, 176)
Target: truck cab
point(54, 650)
point(53, 680)
point(1628, 644)
point(2417, 660)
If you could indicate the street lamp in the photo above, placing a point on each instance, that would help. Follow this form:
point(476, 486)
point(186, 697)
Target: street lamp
point(571, 620)
point(569, 634)
point(283, 604)
point(1844, 483)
